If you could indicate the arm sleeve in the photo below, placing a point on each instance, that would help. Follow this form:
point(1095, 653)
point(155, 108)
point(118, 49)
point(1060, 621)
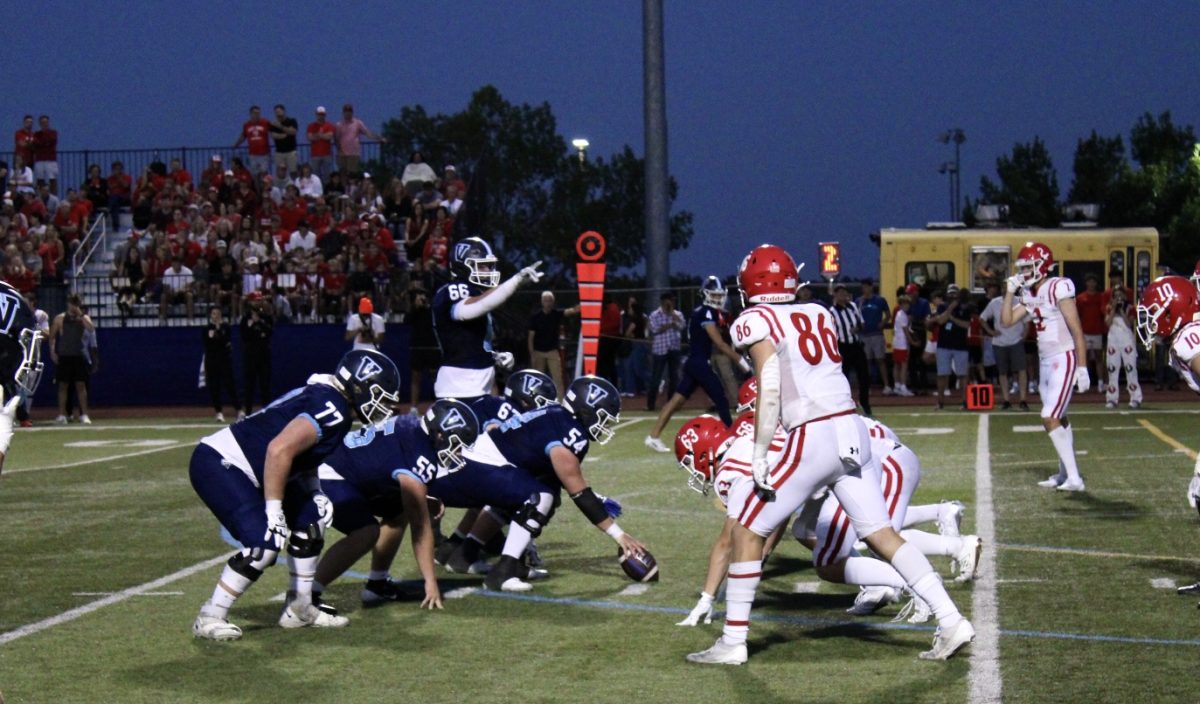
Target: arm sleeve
point(470, 310)
point(767, 417)
point(756, 324)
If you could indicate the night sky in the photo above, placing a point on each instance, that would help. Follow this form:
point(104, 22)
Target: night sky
point(791, 122)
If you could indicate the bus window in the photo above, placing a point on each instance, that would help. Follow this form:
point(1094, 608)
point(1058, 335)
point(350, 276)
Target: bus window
point(989, 265)
point(1077, 271)
point(930, 276)
point(1116, 262)
point(1143, 269)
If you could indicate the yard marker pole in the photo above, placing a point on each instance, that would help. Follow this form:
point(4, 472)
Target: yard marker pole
point(984, 676)
point(590, 270)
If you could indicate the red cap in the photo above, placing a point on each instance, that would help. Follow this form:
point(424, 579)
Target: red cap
point(912, 289)
point(365, 307)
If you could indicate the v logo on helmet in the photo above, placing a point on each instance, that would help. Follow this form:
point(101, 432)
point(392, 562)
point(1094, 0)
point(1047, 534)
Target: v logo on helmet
point(9, 305)
point(595, 394)
point(460, 250)
point(367, 368)
point(453, 420)
point(530, 384)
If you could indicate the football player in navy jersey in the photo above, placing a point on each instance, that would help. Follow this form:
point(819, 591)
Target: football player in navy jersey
point(549, 444)
point(462, 320)
point(704, 334)
point(259, 478)
point(382, 470)
point(20, 359)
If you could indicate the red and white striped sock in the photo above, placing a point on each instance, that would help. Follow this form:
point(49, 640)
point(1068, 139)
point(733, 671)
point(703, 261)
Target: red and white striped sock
point(742, 582)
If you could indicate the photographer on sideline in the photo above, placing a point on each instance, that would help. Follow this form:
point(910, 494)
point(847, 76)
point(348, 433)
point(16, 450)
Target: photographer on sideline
point(258, 325)
point(366, 328)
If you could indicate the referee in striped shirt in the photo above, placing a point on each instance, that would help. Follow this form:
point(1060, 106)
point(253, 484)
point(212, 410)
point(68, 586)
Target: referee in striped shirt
point(848, 322)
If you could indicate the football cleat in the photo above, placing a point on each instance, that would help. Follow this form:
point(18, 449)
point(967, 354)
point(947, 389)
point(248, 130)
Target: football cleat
point(1189, 589)
point(915, 611)
point(303, 615)
point(506, 576)
point(1053, 481)
point(460, 562)
point(872, 599)
point(323, 606)
point(949, 518)
point(967, 561)
point(220, 417)
point(376, 592)
point(721, 654)
point(1072, 486)
point(946, 642)
point(656, 444)
point(533, 558)
point(443, 552)
point(213, 628)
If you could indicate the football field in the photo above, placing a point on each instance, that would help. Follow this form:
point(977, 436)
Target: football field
point(107, 555)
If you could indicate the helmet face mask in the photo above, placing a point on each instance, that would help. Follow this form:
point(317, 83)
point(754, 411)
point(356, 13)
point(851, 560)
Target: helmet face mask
point(595, 403)
point(714, 293)
point(29, 371)
point(379, 407)
point(1034, 263)
point(1167, 304)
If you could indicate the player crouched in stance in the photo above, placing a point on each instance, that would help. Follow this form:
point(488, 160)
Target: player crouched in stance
point(1050, 302)
point(1169, 309)
point(20, 361)
point(383, 470)
point(259, 478)
point(800, 380)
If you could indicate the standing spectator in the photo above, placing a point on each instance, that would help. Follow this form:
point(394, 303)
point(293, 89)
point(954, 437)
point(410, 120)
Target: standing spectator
point(876, 317)
point(257, 328)
point(633, 377)
point(67, 352)
point(1092, 312)
point(91, 357)
point(610, 341)
point(23, 141)
point(424, 353)
point(218, 362)
point(45, 154)
point(544, 339)
point(451, 179)
point(848, 323)
point(416, 174)
point(1120, 319)
point(283, 130)
point(1008, 344)
point(902, 338)
point(953, 319)
point(918, 317)
point(665, 326)
point(320, 138)
point(177, 284)
point(120, 191)
point(416, 231)
point(348, 133)
point(256, 134)
point(365, 330)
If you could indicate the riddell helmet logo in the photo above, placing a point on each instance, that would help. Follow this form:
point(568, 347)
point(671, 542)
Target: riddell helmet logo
point(595, 394)
point(773, 267)
point(453, 420)
point(367, 368)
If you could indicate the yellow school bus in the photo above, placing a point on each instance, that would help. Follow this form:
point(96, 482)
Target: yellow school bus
point(972, 258)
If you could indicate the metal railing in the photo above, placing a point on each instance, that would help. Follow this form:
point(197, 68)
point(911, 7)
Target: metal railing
point(87, 247)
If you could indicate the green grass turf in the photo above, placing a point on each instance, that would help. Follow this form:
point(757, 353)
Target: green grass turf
point(122, 522)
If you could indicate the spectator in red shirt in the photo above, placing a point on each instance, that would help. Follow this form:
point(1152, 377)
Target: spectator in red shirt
point(451, 178)
point(320, 137)
point(320, 219)
point(293, 210)
point(67, 226)
point(214, 175)
point(240, 173)
point(256, 134)
point(120, 190)
point(437, 251)
point(21, 278)
point(334, 285)
point(348, 133)
point(180, 175)
point(51, 251)
point(45, 154)
point(1090, 304)
point(23, 140)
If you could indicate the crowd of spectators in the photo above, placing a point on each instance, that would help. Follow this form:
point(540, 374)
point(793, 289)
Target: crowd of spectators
point(39, 228)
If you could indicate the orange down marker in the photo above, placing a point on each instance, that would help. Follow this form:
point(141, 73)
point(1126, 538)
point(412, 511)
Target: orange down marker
point(589, 270)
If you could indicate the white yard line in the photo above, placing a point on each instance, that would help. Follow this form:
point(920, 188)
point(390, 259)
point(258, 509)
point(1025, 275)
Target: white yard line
point(631, 421)
point(106, 458)
point(103, 427)
point(984, 681)
point(116, 598)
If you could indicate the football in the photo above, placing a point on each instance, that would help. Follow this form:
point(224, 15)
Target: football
point(640, 568)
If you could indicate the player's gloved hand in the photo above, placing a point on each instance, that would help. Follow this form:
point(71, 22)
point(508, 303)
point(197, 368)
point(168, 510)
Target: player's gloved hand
point(1082, 380)
point(702, 610)
point(8, 414)
point(760, 469)
point(277, 529)
point(1014, 283)
point(324, 510)
point(745, 366)
point(530, 274)
point(504, 360)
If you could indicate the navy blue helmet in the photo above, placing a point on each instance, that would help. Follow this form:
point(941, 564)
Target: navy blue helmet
point(530, 389)
point(373, 383)
point(714, 292)
point(20, 345)
point(452, 427)
point(473, 261)
point(596, 404)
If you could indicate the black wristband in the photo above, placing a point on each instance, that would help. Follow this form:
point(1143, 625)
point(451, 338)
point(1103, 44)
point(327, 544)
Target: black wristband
point(590, 505)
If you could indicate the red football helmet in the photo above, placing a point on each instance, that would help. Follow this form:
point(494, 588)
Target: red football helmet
point(698, 445)
point(1038, 258)
point(768, 274)
point(1167, 304)
point(743, 425)
point(747, 394)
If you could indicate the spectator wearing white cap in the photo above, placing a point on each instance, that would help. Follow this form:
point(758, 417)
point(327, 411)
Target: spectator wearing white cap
point(953, 319)
point(320, 138)
point(452, 178)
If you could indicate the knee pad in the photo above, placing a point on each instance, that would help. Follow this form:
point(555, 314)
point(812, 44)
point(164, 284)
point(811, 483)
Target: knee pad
point(251, 562)
point(534, 513)
point(308, 542)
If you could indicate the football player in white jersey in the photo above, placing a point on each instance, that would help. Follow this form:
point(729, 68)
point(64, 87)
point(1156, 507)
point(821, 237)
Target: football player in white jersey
point(1050, 303)
point(800, 381)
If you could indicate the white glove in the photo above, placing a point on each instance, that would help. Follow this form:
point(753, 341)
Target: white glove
point(760, 469)
point(531, 273)
point(7, 414)
point(1083, 382)
point(1014, 283)
point(702, 609)
point(504, 360)
point(277, 529)
point(744, 366)
point(324, 510)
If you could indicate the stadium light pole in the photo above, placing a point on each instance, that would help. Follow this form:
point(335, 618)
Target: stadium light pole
point(957, 136)
point(658, 217)
point(948, 167)
point(581, 145)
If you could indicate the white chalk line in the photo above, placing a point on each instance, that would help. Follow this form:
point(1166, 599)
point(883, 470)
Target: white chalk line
point(106, 458)
point(984, 679)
